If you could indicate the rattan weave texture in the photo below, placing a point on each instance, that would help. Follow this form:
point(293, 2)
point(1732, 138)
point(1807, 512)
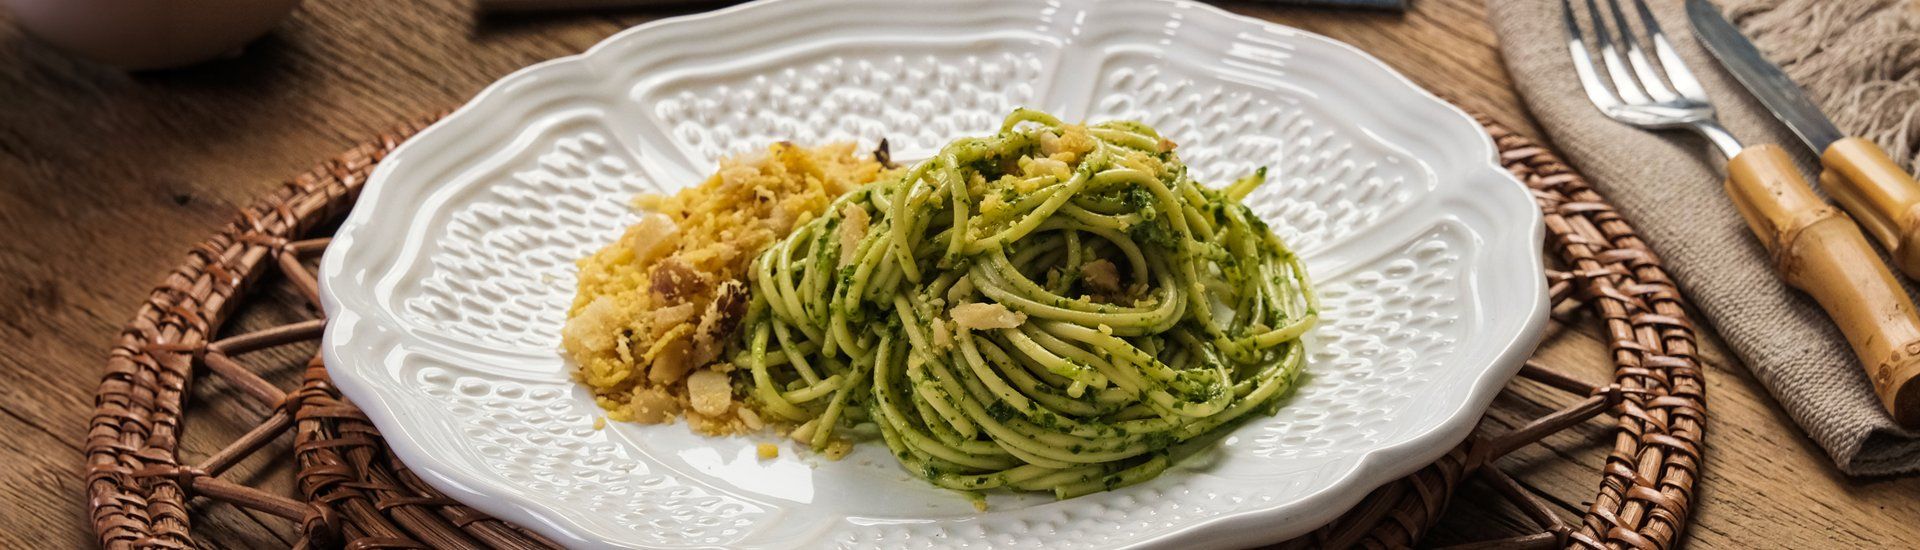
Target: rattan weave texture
point(356, 494)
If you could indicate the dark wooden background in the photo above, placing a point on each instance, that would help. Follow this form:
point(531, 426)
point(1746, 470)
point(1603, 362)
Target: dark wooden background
point(106, 179)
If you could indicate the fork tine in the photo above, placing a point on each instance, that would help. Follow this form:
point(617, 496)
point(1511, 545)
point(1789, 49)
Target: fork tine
point(1596, 88)
point(1610, 55)
point(1683, 81)
point(1642, 67)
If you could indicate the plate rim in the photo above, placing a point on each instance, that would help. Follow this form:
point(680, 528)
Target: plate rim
point(1386, 462)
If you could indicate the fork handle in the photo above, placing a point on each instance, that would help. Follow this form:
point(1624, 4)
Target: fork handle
point(1877, 192)
point(1820, 251)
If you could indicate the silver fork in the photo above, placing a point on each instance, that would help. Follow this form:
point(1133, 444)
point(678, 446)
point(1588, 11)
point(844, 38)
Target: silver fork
point(1815, 248)
point(1642, 98)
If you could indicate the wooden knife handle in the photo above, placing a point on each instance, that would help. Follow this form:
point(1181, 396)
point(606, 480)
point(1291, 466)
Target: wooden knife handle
point(1878, 193)
point(1820, 251)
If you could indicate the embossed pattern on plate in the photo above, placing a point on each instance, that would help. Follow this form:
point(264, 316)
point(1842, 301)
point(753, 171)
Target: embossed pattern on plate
point(449, 282)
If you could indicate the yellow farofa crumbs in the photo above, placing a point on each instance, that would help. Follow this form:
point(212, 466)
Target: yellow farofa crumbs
point(768, 450)
point(655, 311)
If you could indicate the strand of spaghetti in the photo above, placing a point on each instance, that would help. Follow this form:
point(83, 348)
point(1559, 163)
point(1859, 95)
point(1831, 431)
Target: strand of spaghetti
point(1116, 309)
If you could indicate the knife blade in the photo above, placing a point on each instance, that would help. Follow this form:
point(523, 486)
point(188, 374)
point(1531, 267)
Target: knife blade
point(1761, 77)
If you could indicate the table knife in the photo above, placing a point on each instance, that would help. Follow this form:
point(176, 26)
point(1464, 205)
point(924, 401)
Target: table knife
point(1858, 174)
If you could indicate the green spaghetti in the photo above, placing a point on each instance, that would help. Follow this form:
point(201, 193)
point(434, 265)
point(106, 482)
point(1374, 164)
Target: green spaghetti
point(1052, 308)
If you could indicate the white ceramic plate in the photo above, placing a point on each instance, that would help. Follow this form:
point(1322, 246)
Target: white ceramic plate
point(448, 284)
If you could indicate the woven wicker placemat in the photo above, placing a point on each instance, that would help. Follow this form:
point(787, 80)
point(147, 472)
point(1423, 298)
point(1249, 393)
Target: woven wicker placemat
point(355, 493)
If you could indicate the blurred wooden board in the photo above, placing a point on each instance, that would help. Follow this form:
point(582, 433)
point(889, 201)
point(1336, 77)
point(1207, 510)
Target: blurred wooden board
point(106, 179)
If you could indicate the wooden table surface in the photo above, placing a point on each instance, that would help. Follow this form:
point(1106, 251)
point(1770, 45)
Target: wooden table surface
point(106, 179)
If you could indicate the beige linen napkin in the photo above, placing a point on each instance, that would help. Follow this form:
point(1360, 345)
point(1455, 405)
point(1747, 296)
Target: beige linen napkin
point(1668, 185)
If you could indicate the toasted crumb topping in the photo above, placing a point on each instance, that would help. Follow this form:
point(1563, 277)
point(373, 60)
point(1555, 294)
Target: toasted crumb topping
point(657, 309)
point(976, 316)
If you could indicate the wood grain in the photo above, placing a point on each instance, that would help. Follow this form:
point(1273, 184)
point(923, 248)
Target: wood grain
point(107, 178)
